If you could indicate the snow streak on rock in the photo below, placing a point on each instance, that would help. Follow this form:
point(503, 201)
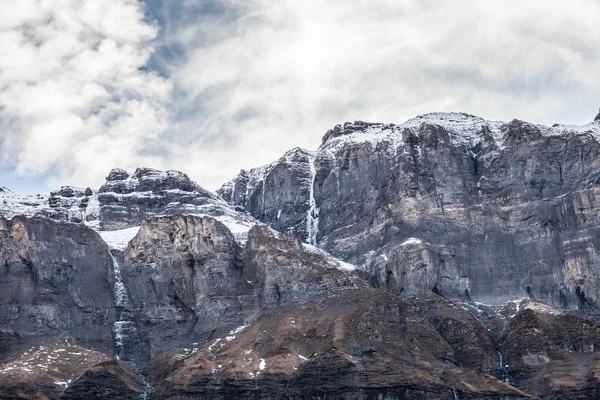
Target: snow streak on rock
point(312, 219)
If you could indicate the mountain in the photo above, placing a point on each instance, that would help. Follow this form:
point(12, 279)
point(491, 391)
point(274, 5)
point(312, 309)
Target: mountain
point(446, 257)
point(452, 201)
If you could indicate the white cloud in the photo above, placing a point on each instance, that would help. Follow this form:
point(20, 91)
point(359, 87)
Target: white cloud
point(74, 100)
point(283, 72)
point(254, 78)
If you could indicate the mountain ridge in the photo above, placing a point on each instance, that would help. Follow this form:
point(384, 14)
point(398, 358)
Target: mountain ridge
point(459, 251)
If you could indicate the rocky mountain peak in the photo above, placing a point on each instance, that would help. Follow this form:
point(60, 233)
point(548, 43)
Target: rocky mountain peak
point(520, 131)
point(597, 117)
point(117, 174)
point(68, 203)
point(349, 128)
point(126, 199)
point(149, 180)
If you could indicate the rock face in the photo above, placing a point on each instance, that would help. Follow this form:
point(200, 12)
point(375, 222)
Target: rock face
point(74, 205)
point(126, 199)
point(189, 278)
point(361, 345)
point(278, 193)
point(498, 209)
point(65, 204)
point(47, 369)
point(187, 282)
point(54, 279)
point(552, 354)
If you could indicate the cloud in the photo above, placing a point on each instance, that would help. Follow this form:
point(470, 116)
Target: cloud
point(75, 100)
point(214, 86)
point(266, 76)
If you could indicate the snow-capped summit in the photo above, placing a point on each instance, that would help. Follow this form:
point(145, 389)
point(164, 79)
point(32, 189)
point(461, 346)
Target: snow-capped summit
point(463, 129)
point(118, 207)
point(125, 199)
point(65, 204)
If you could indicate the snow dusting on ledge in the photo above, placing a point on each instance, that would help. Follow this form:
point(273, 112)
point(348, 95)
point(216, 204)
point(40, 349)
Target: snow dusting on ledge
point(410, 241)
point(331, 260)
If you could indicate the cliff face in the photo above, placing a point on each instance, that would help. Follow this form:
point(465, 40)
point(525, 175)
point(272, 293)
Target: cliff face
point(278, 193)
point(358, 271)
point(454, 202)
point(190, 279)
point(54, 279)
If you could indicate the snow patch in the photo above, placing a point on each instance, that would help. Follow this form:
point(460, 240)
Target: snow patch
point(119, 239)
point(540, 308)
point(410, 241)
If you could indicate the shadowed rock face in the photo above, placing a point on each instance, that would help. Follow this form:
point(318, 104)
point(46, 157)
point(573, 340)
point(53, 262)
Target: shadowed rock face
point(278, 193)
point(54, 278)
point(502, 210)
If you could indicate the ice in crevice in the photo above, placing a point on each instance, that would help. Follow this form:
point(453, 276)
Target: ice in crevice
point(312, 219)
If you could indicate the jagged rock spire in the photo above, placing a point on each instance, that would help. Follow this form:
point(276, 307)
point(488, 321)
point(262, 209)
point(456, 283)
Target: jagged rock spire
point(597, 116)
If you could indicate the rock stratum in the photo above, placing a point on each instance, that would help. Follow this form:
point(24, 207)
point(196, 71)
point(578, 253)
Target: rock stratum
point(449, 257)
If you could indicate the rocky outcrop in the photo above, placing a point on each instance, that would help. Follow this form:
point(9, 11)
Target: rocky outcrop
point(277, 194)
point(125, 199)
point(46, 369)
point(287, 271)
point(65, 204)
point(74, 205)
point(107, 380)
point(551, 354)
point(452, 201)
point(362, 344)
point(188, 278)
point(54, 279)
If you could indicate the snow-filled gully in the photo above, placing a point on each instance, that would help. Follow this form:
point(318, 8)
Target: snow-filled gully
point(312, 219)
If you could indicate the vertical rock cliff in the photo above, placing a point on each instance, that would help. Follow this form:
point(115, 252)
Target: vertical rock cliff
point(455, 202)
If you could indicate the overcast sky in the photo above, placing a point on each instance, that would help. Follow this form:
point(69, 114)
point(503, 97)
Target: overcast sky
point(211, 87)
